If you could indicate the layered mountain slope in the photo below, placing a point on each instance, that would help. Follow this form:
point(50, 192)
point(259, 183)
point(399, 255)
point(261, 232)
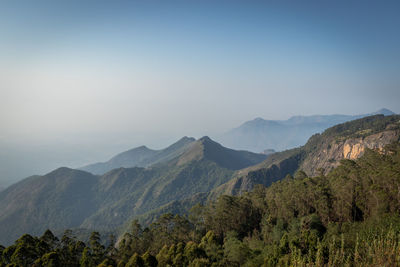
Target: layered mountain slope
point(67, 198)
point(203, 167)
point(57, 200)
point(320, 154)
point(140, 157)
point(259, 134)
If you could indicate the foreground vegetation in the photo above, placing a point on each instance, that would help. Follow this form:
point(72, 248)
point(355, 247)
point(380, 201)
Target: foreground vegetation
point(349, 217)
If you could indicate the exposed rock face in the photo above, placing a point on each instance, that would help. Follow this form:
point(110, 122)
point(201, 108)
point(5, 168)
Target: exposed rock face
point(354, 148)
point(332, 151)
point(352, 151)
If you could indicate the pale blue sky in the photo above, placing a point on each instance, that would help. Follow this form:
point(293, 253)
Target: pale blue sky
point(124, 73)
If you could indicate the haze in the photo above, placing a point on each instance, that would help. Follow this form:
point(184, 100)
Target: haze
point(80, 82)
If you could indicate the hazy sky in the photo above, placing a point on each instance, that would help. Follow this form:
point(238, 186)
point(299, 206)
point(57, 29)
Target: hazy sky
point(118, 73)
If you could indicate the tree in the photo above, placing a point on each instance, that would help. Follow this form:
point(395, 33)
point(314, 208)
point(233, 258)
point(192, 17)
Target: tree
point(51, 259)
point(149, 260)
point(235, 251)
point(135, 261)
point(49, 238)
point(86, 259)
point(97, 249)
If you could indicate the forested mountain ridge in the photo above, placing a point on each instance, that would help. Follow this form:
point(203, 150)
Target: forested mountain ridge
point(260, 134)
point(141, 157)
point(321, 153)
point(68, 198)
point(349, 217)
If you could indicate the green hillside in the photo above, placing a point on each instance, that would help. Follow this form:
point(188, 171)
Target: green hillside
point(278, 165)
point(293, 162)
point(349, 217)
point(67, 198)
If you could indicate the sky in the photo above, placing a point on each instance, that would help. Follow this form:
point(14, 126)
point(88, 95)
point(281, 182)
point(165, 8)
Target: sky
point(83, 80)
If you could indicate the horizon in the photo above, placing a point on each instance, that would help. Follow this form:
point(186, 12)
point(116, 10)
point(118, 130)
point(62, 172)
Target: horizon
point(73, 162)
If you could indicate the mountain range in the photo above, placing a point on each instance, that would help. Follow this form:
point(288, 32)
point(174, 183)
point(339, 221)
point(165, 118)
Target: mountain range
point(322, 153)
point(173, 179)
point(319, 156)
point(259, 134)
point(68, 198)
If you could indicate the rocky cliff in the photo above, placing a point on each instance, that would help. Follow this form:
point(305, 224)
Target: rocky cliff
point(321, 154)
point(331, 152)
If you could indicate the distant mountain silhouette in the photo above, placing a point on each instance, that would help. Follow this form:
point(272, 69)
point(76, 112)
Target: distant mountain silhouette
point(259, 134)
point(140, 157)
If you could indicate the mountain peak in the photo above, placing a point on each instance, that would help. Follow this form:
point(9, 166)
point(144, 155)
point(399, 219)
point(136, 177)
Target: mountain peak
point(207, 149)
point(384, 111)
point(259, 123)
point(205, 139)
point(65, 171)
point(186, 138)
point(143, 147)
point(60, 170)
point(206, 142)
point(258, 119)
point(197, 150)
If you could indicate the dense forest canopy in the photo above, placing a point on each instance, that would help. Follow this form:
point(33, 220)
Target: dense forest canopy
point(348, 217)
